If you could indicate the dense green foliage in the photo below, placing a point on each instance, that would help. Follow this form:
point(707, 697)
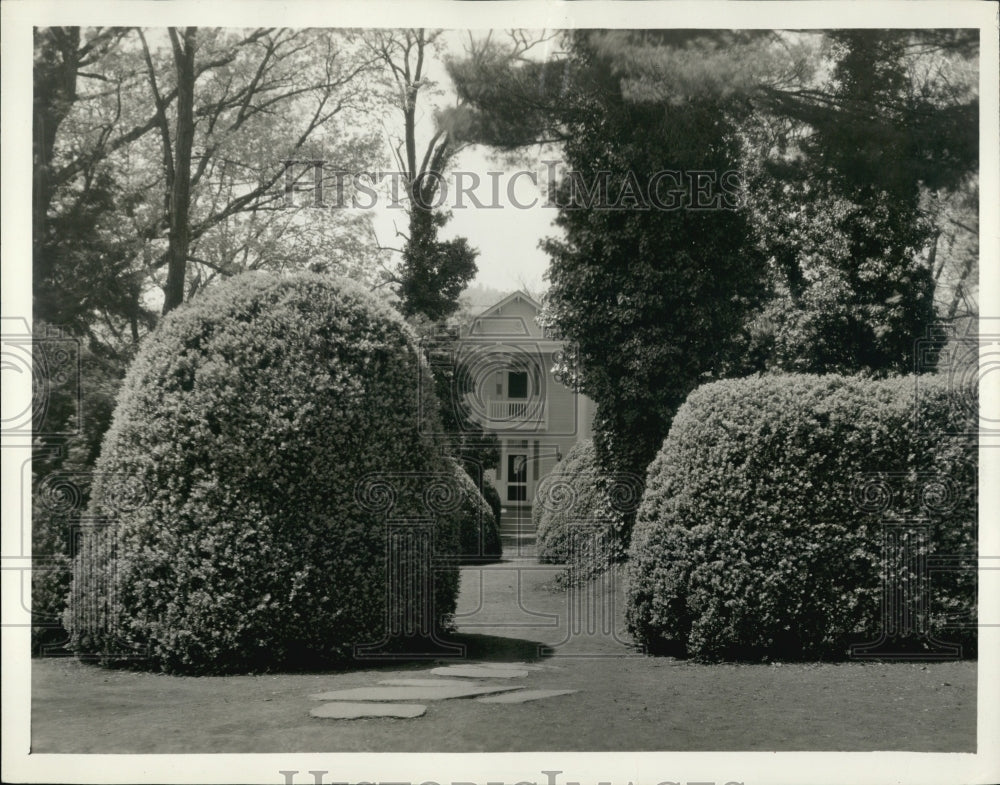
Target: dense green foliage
point(850, 148)
point(823, 265)
point(433, 272)
point(760, 531)
point(565, 499)
point(478, 527)
point(71, 417)
point(492, 496)
point(842, 223)
point(852, 291)
point(274, 425)
point(477, 448)
point(51, 571)
point(578, 519)
point(649, 298)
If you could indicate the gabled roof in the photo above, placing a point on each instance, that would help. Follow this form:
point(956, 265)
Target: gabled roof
point(519, 295)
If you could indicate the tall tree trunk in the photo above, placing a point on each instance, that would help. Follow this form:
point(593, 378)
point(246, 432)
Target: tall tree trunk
point(180, 193)
point(959, 291)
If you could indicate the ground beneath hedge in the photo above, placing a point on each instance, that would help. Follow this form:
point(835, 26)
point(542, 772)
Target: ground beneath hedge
point(510, 612)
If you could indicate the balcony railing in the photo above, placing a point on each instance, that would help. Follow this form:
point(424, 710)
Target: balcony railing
point(515, 412)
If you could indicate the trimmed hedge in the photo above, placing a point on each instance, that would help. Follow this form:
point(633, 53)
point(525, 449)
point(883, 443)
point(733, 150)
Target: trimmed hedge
point(478, 531)
point(564, 498)
point(492, 497)
point(760, 533)
point(579, 514)
point(483, 479)
point(275, 426)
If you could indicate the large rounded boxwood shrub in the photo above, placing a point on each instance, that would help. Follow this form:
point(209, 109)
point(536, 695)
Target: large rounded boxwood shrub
point(578, 513)
point(277, 427)
point(760, 533)
point(478, 531)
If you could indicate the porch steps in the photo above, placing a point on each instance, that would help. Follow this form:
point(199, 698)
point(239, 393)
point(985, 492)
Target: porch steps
point(516, 527)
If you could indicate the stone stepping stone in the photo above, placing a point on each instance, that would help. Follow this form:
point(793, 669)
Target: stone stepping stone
point(429, 683)
point(439, 692)
point(524, 696)
point(510, 666)
point(479, 672)
point(353, 711)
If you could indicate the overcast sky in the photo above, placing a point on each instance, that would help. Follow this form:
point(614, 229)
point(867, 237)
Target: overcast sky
point(507, 238)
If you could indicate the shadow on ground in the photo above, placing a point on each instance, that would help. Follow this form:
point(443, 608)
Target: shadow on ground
point(496, 648)
point(511, 612)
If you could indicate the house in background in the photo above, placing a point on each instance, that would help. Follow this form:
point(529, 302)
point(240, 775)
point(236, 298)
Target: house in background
point(515, 394)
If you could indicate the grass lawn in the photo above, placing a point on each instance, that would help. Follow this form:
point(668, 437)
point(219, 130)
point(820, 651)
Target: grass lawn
point(624, 701)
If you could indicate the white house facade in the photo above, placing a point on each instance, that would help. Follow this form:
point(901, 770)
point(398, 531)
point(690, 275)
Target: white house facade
point(516, 395)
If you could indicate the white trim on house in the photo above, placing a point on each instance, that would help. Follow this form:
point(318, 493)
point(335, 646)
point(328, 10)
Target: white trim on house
point(544, 419)
point(517, 296)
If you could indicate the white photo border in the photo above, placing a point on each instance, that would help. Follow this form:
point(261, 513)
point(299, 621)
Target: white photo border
point(793, 768)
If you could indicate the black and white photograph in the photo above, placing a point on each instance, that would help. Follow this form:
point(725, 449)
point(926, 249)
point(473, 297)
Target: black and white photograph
point(596, 393)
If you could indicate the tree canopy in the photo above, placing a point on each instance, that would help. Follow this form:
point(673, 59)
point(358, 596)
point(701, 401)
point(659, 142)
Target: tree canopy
point(852, 152)
point(158, 163)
